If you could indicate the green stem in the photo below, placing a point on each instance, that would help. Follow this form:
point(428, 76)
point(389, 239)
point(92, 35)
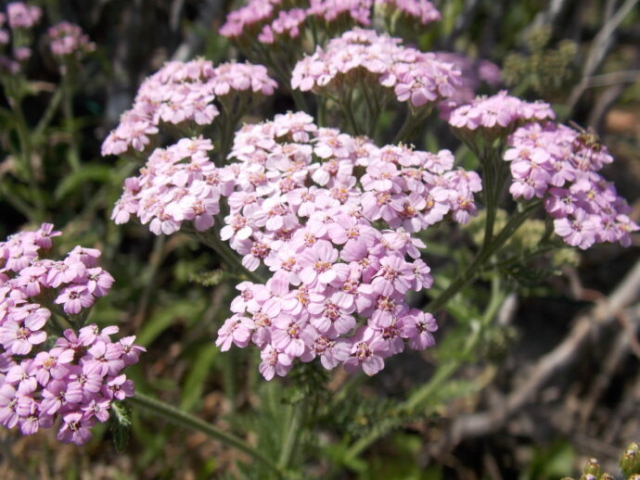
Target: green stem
point(185, 420)
point(46, 118)
point(474, 269)
point(412, 120)
point(229, 256)
point(521, 257)
point(67, 109)
point(25, 147)
point(155, 261)
point(443, 373)
point(405, 129)
point(346, 108)
point(17, 202)
point(490, 200)
point(322, 112)
point(368, 94)
point(293, 433)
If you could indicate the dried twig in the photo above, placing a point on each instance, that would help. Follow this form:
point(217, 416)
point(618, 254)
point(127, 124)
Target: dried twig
point(625, 340)
point(602, 314)
point(600, 46)
point(549, 15)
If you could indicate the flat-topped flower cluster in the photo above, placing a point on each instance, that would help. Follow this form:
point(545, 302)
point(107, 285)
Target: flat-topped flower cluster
point(81, 374)
point(364, 57)
point(496, 116)
point(21, 19)
point(560, 164)
point(68, 40)
point(178, 184)
point(271, 20)
point(183, 94)
point(331, 216)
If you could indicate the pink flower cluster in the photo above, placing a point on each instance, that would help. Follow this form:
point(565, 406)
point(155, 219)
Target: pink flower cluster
point(183, 94)
point(267, 21)
point(69, 40)
point(18, 16)
point(559, 164)
point(474, 73)
point(74, 283)
point(339, 281)
point(23, 16)
point(365, 56)
point(498, 114)
point(341, 11)
point(286, 23)
point(177, 184)
point(81, 374)
point(422, 10)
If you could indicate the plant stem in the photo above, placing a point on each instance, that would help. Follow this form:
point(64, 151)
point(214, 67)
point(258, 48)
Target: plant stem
point(67, 108)
point(474, 269)
point(229, 256)
point(155, 262)
point(294, 422)
point(185, 420)
point(25, 147)
point(347, 105)
point(46, 118)
point(443, 373)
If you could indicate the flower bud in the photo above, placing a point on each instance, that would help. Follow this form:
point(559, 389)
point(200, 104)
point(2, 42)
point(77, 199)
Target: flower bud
point(630, 460)
point(592, 469)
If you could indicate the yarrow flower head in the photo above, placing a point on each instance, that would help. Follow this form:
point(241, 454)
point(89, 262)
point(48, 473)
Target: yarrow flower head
point(21, 15)
point(474, 74)
point(183, 94)
point(266, 20)
point(422, 10)
point(271, 20)
point(68, 40)
point(20, 18)
point(496, 116)
point(178, 184)
point(338, 286)
point(76, 376)
point(380, 61)
point(559, 164)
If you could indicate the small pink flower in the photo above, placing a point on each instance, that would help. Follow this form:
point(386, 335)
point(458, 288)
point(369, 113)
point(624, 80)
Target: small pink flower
point(75, 299)
point(367, 352)
point(76, 428)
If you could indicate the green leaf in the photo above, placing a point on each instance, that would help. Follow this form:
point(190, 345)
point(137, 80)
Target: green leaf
point(194, 384)
point(120, 426)
point(163, 318)
point(98, 173)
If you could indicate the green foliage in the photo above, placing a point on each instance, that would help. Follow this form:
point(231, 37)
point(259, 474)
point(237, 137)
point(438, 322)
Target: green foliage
point(544, 69)
point(549, 462)
point(210, 278)
point(531, 255)
point(203, 359)
point(630, 460)
point(398, 461)
point(164, 318)
point(72, 182)
point(120, 425)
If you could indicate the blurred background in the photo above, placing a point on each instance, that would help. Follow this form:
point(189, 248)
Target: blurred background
point(556, 382)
